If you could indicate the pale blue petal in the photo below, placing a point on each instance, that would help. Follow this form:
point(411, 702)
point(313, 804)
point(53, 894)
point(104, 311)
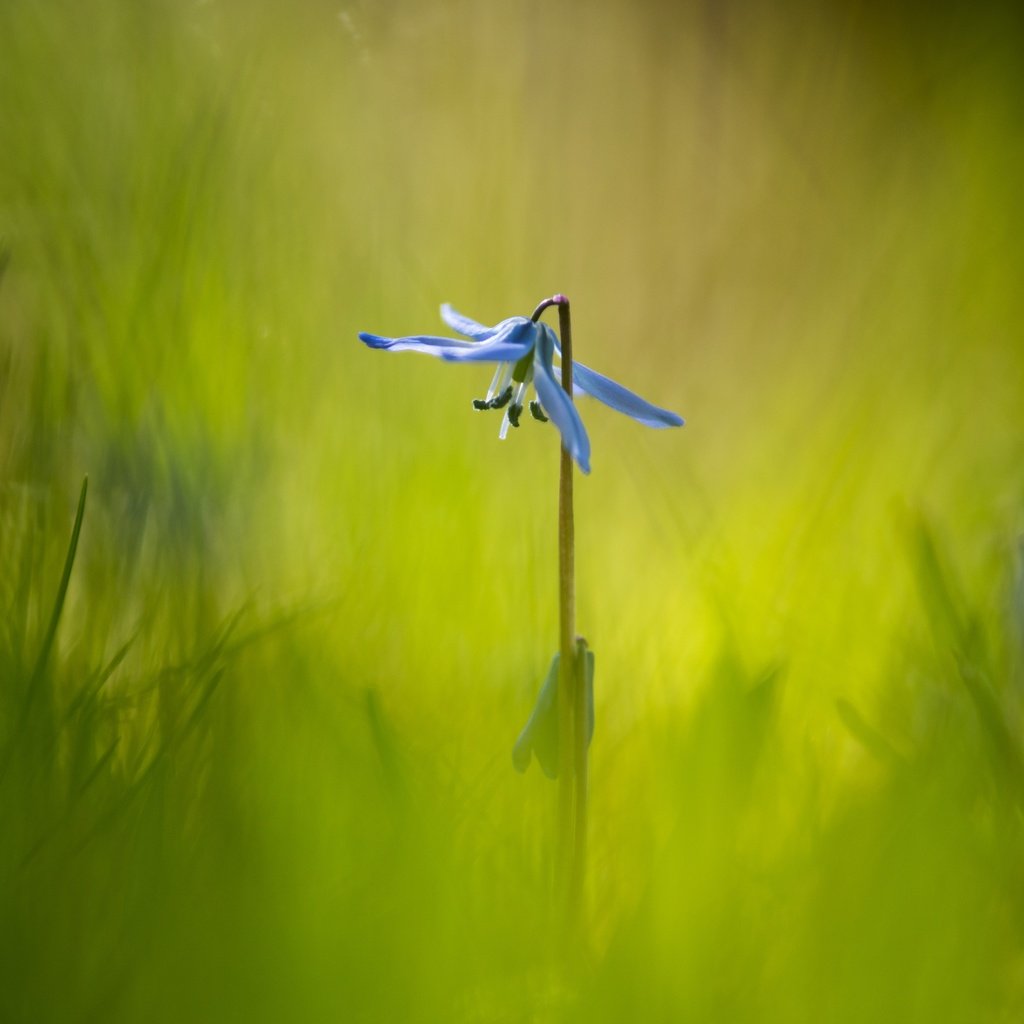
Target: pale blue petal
point(513, 339)
point(470, 328)
point(487, 352)
point(557, 403)
point(428, 343)
point(589, 382)
point(622, 399)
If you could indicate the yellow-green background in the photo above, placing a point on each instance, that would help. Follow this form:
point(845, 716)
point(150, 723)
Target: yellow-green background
point(266, 773)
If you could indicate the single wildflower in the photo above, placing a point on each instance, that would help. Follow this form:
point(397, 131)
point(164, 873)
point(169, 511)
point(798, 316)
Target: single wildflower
point(525, 351)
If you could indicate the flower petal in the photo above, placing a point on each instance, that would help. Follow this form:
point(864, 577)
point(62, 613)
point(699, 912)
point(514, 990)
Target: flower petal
point(557, 403)
point(512, 339)
point(428, 343)
point(622, 399)
point(470, 328)
point(509, 342)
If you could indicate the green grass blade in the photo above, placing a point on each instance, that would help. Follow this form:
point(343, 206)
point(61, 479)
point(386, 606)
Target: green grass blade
point(62, 592)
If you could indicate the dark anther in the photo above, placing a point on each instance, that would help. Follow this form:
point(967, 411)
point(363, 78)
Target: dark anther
point(481, 403)
point(503, 399)
point(537, 412)
point(514, 412)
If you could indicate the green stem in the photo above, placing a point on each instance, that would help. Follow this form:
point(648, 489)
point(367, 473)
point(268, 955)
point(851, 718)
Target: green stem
point(572, 718)
point(581, 774)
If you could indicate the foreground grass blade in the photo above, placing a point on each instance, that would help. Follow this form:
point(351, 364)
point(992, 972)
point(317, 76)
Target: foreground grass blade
point(50, 635)
point(62, 591)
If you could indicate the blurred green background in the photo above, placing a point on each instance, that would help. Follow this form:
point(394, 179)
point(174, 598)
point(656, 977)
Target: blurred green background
point(265, 772)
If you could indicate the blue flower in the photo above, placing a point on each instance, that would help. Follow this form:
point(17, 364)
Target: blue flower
point(524, 351)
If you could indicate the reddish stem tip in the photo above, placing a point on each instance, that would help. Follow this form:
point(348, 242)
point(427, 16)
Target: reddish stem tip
point(555, 300)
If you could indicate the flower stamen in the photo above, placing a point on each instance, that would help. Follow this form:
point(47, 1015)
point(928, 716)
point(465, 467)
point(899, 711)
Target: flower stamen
point(537, 411)
point(494, 403)
point(515, 410)
point(500, 390)
point(502, 400)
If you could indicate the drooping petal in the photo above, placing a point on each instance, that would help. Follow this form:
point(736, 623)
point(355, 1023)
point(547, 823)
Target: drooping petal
point(622, 399)
point(586, 381)
point(513, 339)
point(557, 404)
point(470, 328)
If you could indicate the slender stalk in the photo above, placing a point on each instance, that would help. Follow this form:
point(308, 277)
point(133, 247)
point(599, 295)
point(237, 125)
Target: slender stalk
point(566, 639)
point(581, 775)
point(572, 718)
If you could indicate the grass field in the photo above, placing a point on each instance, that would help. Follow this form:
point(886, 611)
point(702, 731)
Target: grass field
point(255, 763)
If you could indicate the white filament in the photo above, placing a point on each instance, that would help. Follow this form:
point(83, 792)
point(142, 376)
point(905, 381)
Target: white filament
point(502, 375)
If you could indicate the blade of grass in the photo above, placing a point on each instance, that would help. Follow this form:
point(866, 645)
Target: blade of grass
point(51, 632)
point(62, 592)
